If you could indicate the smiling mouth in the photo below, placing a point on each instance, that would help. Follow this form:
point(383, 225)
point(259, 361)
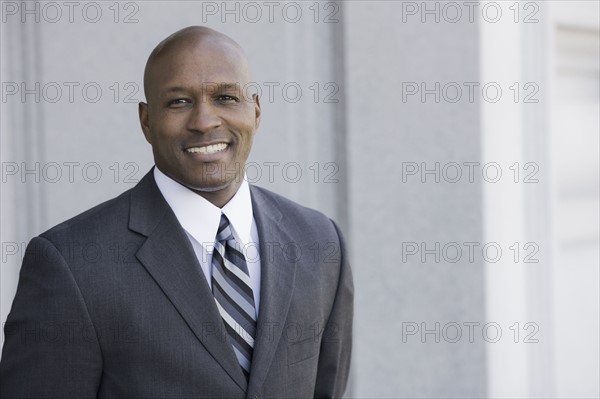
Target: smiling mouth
point(208, 149)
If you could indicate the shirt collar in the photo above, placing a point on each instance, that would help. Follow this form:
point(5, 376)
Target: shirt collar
point(200, 218)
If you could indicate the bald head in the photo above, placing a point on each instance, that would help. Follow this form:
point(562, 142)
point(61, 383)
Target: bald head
point(193, 38)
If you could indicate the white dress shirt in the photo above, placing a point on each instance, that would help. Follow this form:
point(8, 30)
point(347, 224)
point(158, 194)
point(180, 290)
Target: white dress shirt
point(200, 220)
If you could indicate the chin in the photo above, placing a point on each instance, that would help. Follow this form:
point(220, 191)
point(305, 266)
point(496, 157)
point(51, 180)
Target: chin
point(208, 187)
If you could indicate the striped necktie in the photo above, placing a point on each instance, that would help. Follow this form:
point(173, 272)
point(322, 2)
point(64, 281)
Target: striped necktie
point(233, 294)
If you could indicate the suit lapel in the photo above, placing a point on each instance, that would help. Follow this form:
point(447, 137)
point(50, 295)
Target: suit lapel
point(169, 257)
point(277, 283)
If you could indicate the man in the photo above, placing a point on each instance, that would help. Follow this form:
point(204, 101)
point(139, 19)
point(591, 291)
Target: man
point(199, 285)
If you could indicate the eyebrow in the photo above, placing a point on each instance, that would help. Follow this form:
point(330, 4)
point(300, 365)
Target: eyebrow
point(213, 86)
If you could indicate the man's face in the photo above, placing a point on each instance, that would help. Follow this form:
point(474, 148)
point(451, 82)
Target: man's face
point(197, 119)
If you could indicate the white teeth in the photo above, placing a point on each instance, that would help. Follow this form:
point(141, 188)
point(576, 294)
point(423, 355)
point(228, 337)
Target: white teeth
point(209, 149)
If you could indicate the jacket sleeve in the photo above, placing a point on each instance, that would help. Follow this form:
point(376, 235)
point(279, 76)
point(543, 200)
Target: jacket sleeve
point(336, 344)
point(51, 349)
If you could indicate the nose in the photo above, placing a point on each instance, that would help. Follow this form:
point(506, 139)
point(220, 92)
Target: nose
point(203, 118)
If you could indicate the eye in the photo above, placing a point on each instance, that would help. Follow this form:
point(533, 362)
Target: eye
point(225, 98)
point(178, 102)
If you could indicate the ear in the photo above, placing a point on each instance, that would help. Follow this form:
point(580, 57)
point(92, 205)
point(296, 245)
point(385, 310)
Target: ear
point(143, 114)
point(256, 110)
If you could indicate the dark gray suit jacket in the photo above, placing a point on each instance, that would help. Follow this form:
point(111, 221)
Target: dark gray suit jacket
point(113, 304)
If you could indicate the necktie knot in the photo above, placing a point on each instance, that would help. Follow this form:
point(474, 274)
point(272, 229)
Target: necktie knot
point(224, 233)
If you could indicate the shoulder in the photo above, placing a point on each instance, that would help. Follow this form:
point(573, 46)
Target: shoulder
point(303, 219)
point(111, 219)
point(104, 219)
point(288, 207)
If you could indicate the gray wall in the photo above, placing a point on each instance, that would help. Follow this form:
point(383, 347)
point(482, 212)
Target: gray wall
point(386, 212)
